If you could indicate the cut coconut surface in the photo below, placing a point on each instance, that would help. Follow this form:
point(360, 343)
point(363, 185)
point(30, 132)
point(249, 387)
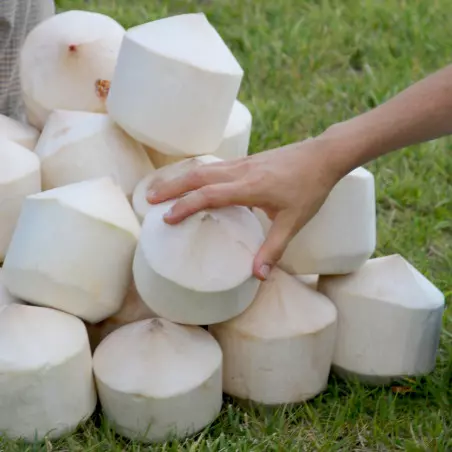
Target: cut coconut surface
point(389, 320)
point(76, 146)
point(279, 351)
point(157, 379)
point(236, 137)
point(140, 204)
point(23, 134)
point(341, 236)
point(73, 248)
point(20, 176)
point(201, 268)
point(132, 310)
point(67, 62)
point(46, 380)
point(175, 85)
point(5, 297)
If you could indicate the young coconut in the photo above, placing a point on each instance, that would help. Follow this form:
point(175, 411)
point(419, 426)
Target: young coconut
point(310, 280)
point(201, 268)
point(46, 380)
point(158, 380)
point(139, 201)
point(76, 146)
point(67, 62)
point(73, 248)
point(5, 297)
point(175, 85)
point(236, 137)
point(279, 351)
point(341, 236)
point(132, 310)
point(235, 142)
point(23, 134)
point(20, 176)
point(389, 320)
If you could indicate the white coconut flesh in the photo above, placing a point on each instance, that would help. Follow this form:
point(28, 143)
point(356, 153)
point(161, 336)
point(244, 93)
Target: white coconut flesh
point(279, 351)
point(132, 310)
point(341, 236)
point(73, 248)
point(157, 379)
point(46, 380)
point(201, 268)
point(20, 176)
point(389, 320)
point(76, 146)
point(236, 137)
point(23, 134)
point(67, 62)
point(139, 201)
point(175, 85)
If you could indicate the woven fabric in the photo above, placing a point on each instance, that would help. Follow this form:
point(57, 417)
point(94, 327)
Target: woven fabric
point(17, 19)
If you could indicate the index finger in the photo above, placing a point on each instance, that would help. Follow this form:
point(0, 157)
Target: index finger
point(208, 174)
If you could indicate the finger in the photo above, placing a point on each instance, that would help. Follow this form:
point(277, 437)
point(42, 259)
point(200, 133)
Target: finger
point(162, 190)
point(280, 234)
point(209, 197)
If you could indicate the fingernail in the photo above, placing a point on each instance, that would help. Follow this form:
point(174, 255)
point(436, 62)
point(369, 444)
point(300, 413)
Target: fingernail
point(151, 194)
point(264, 271)
point(168, 214)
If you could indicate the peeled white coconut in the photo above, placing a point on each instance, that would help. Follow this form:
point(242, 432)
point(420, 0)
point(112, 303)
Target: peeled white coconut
point(234, 144)
point(139, 201)
point(67, 62)
point(389, 320)
point(23, 134)
point(160, 160)
point(175, 85)
point(341, 236)
point(201, 268)
point(20, 176)
point(236, 137)
point(310, 280)
point(132, 310)
point(46, 380)
point(73, 248)
point(280, 349)
point(76, 146)
point(157, 379)
point(5, 297)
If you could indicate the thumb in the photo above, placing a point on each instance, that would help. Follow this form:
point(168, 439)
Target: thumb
point(280, 234)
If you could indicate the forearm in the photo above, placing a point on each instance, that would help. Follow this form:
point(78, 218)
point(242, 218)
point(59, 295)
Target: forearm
point(420, 113)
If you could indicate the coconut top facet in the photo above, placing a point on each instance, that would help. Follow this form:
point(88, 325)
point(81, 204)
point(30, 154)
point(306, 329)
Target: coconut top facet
point(210, 251)
point(188, 38)
point(156, 358)
point(99, 198)
point(284, 307)
point(34, 338)
point(391, 279)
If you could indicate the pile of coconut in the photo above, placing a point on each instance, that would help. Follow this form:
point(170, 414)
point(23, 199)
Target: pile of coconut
point(100, 300)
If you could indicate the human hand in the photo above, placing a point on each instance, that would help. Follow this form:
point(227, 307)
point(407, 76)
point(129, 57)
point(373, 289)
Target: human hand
point(289, 184)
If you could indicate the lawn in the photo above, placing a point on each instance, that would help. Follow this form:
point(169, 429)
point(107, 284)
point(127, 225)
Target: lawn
point(309, 64)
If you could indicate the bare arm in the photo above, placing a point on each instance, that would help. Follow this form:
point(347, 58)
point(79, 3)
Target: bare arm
point(420, 113)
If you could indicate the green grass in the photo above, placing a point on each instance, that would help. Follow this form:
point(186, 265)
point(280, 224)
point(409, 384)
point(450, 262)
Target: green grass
point(309, 64)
